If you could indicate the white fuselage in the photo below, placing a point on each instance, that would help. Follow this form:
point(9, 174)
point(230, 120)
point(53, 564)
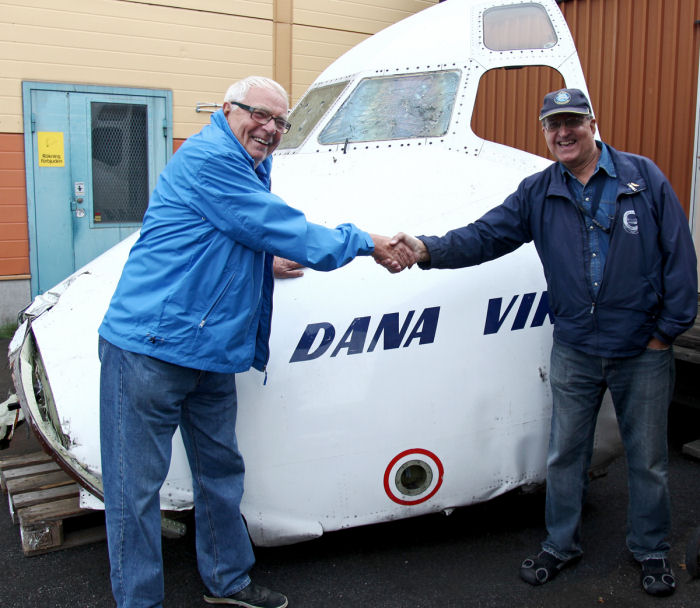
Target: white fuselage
point(387, 396)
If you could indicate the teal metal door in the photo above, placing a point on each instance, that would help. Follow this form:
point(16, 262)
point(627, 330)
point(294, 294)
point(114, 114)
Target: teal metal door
point(93, 156)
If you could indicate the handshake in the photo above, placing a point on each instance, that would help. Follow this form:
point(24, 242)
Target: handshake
point(394, 253)
point(398, 252)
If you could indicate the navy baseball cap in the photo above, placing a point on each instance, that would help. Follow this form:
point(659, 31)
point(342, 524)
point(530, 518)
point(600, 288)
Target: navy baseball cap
point(571, 101)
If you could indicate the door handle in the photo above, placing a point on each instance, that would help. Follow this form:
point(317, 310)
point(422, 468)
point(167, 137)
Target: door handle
point(79, 211)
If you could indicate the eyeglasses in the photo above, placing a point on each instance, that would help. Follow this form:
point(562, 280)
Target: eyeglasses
point(263, 117)
point(573, 122)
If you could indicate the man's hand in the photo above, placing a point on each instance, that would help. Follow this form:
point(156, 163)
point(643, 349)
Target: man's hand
point(420, 251)
point(393, 257)
point(656, 344)
point(286, 269)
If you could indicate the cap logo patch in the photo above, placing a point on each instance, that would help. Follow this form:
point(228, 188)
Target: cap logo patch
point(562, 97)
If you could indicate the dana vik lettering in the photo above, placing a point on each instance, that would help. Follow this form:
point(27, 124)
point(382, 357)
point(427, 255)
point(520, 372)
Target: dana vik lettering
point(391, 332)
point(496, 315)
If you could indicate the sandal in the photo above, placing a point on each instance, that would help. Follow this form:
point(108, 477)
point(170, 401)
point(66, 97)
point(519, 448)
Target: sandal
point(541, 569)
point(657, 577)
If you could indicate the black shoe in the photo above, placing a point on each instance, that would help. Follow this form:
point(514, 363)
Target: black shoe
point(252, 596)
point(657, 577)
point(542, 568)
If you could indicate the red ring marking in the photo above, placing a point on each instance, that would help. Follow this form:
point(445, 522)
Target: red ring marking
point(436, 460)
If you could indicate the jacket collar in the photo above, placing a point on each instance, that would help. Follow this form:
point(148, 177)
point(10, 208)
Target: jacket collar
point(630, 180)
point(604, 163)
point(218, 120)
point(628, 177)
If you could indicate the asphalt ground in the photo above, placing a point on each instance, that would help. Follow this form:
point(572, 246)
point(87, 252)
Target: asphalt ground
point(470, 558)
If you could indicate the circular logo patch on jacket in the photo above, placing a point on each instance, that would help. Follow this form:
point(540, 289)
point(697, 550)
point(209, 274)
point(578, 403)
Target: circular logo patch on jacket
point(630, 222)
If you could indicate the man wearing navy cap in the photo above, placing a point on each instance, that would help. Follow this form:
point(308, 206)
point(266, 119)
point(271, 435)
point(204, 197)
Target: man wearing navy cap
point(621, 277)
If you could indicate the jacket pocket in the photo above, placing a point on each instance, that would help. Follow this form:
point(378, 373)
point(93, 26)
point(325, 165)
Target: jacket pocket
point(218, 299)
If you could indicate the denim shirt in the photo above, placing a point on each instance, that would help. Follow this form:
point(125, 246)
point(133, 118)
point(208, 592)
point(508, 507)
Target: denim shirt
point(651, 270)
point(597, 202)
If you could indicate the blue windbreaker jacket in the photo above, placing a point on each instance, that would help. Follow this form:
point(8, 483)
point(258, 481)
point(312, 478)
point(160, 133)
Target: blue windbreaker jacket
point(196, 289)
point(649, 285)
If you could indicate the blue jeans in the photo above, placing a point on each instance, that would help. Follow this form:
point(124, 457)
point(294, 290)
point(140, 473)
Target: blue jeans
point(641, 388)
point(142, 401)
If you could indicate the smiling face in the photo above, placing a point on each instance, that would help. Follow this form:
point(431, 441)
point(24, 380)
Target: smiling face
point(259, 140)
point(573, 146)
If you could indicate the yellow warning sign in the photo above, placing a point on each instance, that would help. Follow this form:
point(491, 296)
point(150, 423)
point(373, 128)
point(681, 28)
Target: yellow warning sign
point(50, 146)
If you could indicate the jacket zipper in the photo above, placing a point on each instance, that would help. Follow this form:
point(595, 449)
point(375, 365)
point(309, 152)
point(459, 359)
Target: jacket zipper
point(204, 320)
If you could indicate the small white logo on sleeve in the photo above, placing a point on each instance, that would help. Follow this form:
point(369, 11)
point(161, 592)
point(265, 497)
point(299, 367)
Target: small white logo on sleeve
point(630, 222)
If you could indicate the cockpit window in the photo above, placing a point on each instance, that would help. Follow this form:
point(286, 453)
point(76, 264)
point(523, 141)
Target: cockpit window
point(517, 27)
point(309, 111)
point(395, 107)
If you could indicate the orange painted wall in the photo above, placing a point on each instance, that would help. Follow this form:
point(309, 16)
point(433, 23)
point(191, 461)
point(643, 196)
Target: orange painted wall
point(14, 241)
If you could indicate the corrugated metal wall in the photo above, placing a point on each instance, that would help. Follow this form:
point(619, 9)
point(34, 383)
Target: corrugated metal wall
point(508, 104)
point(640, 60)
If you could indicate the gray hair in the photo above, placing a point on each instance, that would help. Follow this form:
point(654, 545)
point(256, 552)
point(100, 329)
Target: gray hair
point(238, 90)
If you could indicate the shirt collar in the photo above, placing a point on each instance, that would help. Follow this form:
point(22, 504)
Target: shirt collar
point(604, 162)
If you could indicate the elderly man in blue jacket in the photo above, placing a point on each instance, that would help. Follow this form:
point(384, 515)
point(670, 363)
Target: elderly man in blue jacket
point(192, 308)
point(621, 276)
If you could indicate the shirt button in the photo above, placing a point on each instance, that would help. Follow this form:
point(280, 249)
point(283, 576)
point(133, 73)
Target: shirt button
point(594, 255)
point(595, 284)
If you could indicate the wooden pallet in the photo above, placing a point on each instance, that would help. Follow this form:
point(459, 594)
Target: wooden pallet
point(44, 502)
point(692, 448)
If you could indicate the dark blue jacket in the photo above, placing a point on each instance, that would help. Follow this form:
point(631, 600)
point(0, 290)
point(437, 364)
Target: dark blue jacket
point(649, 285)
